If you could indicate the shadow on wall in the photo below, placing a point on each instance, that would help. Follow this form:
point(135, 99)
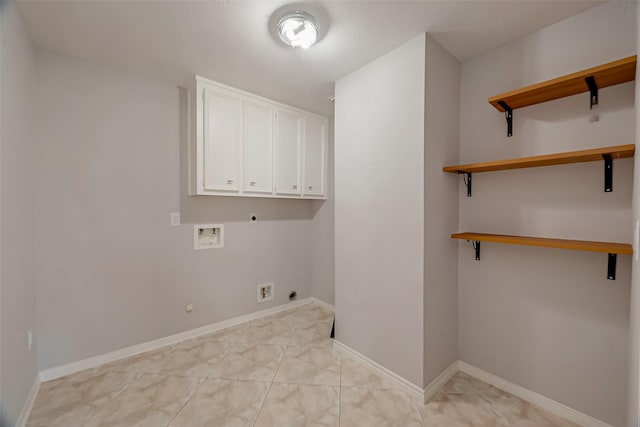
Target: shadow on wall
point(610, 99)
point(221, 208)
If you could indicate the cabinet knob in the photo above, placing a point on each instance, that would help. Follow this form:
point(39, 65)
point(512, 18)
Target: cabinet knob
point(311, 187)
point(229, 181)
point(252, 183)
point(295, 187)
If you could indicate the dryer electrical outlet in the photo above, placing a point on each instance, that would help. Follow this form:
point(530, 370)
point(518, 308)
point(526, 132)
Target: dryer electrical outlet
point(265, 292)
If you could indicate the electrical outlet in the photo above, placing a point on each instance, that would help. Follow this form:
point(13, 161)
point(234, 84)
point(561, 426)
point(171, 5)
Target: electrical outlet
point(175, 219)
point(265, 292)
point(29, 339)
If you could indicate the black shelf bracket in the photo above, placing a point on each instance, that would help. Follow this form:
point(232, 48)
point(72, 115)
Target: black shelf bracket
point(466, 177)
point(611, 267)
point(608, 173)
point(508, 114)
point(593, 89)
point(476, 246)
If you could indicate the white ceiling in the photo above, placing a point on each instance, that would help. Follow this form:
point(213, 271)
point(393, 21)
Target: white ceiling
point(230, 41)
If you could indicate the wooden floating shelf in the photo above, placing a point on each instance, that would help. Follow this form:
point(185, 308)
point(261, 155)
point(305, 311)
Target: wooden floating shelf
point(610, 74)
point(597, 154)
point(610, 248)
point(579, 245)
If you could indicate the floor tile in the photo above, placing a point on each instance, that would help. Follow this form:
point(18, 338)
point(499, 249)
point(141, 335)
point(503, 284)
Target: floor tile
point(300, 405)
point(274, 331)
point(309, 365)
point(151, 401)
point(291, 316)
point(518, 412)
point(280, 370)
point(303, 316)
point(228, 403)
point(147, 363)
point(311, 333)
point(462, 383)
point(316, 313)
point(72, 400)
point(231, 334)
point(468, 401)
point(249, 362)
point(196, 357)
point(453, 410)
point(193, 357)
point(377, 407)
point(354, 373)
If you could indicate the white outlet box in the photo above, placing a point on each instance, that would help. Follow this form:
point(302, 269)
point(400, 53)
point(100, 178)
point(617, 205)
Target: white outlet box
point(208, 236)
point(175, 219)
point(265, 292)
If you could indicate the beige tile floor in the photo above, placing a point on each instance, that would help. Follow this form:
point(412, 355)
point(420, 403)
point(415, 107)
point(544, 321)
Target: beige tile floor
point(276, 371)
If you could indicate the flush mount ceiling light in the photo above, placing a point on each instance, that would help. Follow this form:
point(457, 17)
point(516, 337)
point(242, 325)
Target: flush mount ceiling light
point(298, 29)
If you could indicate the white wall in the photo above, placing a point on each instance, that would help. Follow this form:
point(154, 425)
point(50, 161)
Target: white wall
point(633, 419)
point(548, 319)
point(18, 366)
point(441, 147)
point(379, 192)
point(111, 271)
point(322, 237)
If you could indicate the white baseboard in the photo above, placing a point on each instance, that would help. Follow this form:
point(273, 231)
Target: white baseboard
point(546, 403)
point(421, 395)
point(28, 404)
point(92, 362)
point(442, 378)
point(322, 304)
point(408, 387)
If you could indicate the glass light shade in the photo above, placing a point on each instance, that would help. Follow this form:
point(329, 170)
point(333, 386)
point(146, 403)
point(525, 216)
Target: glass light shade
point(298, 29)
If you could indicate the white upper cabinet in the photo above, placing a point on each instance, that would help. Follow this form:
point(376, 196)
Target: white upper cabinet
point(222, 140)
point(258, 147)
point(288, 146)
point(315, 149)
point(251, 146)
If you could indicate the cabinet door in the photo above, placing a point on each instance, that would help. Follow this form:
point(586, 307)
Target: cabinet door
point(288, 144)
point(222, 140)
point(258, 147)
point(315, 146)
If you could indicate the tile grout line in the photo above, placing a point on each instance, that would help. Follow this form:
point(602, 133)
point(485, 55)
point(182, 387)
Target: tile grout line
point(232, 344)
point(137, 377)
point(255, 420)
point(305, 384)
point(274, 376)
point(205, 379)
